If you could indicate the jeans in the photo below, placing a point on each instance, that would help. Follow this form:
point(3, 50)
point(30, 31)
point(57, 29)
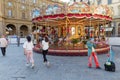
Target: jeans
point(3, 49)
point(44, 55)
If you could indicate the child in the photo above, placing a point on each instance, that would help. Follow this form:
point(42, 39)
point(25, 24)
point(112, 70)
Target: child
point(28, 47)
point(45, 47)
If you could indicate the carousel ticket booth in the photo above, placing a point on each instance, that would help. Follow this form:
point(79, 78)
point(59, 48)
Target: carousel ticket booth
point(73, 23)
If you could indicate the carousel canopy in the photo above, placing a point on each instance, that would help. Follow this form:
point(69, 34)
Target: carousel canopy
point(76, 13)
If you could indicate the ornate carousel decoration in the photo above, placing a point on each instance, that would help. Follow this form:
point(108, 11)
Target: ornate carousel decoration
point(70, 24)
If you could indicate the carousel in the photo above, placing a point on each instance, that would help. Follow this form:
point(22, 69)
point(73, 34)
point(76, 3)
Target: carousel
point(68, 25)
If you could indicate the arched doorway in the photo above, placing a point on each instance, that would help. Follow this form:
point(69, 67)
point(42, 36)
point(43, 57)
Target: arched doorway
point(23, 31)
point(34, 28)
point(119, 29)
point(11, 29)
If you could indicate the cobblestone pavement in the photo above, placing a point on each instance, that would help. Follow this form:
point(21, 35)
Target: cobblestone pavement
point(12, 67)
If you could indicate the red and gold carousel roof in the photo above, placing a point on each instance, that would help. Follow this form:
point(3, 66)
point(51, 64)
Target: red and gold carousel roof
point(76, 12)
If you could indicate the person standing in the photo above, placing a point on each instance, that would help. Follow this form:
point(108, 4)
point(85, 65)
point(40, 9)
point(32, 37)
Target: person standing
point(3, 45)
point(111, 54)
point(92, 53)
point(28, 51)
point(45, 46)
point(18, 41)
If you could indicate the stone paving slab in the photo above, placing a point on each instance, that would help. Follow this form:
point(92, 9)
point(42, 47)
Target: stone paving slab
point(12, 67)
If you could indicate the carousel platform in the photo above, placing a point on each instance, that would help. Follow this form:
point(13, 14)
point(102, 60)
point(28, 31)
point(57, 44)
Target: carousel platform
point(61, 51)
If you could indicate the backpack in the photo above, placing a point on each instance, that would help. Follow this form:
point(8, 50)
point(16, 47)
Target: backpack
point(109, 66)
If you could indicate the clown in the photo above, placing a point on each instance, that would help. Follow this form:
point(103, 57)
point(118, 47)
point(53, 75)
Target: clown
point(92, 53)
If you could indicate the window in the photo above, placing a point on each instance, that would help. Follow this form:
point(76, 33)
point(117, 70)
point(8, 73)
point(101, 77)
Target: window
point(80, 0)
point(119, 25)
point(74, 0)
point(9, 4)
point(35, 13)
point(109, 1)
point(34, 1)
point(10, 13)
point(23, 7)
point(119, 10)
point(99, 2)
point(23, 15)
point(112, 11)
point(23, 1)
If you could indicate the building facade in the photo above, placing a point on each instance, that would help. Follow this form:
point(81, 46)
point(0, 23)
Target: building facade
point(115, 6)
point(16, 16)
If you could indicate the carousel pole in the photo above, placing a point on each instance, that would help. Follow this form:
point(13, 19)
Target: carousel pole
point(66, 24)
point(89, 32)
point(36, 34)
point(106, 38)
point(105, 29)
point(90, 29)
point(98, 29)
point(66, 46)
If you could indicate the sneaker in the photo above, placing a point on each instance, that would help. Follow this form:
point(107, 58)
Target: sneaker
point(32, 66)
point(27, 64)
point(89, 67)
point(48, 64)
point(98, 67)
point(45, 63)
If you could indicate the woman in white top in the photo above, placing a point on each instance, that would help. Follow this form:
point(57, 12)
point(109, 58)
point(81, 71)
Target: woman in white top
point(45, 46)
point(3, 45)
point(28, 51)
